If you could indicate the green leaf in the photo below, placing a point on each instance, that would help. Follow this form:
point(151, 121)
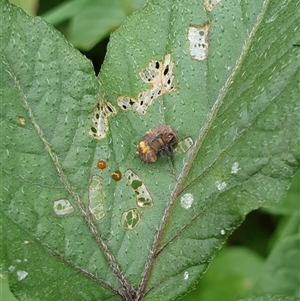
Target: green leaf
point(91, 21)
point(73, 231)
point(233, 272)
point(30, 6)
point(271, 298)
point(290, 203)
point(280, 273)
point(5, 292)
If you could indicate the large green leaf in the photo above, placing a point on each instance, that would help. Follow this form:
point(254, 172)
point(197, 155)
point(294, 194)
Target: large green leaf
point(233, 272)
point(74, 233)
point(90, 21)
point(290, 203)
point(280, 273)
point(271, 298)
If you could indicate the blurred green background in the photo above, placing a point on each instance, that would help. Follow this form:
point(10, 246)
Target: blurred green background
point(241, 263)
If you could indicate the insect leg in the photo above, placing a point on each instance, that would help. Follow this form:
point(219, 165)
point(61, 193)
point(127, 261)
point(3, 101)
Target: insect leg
point(167, 150)
point(155, 137)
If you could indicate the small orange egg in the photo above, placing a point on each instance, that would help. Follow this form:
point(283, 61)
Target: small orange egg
point(101, 164)
point(117, 176)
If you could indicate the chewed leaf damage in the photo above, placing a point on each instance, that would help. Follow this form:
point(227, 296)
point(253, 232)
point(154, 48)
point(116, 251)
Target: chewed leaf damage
point(101, 113)
point(160, 75)
point(197, 36)
point(130, 219)
point(63, 207)
point(210, 4)
point(184, 145)
point(143, 197)
point(96, 203)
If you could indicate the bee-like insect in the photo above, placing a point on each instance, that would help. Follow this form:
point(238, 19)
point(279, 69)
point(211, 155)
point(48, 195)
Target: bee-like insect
point(157, 140)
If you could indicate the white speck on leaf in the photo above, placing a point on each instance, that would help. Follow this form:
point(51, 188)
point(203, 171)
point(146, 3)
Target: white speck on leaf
point(186, 275)
point(11, 268)
point(221, 185)
point(187, 201)
point(235, 168)
point(21, 275)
